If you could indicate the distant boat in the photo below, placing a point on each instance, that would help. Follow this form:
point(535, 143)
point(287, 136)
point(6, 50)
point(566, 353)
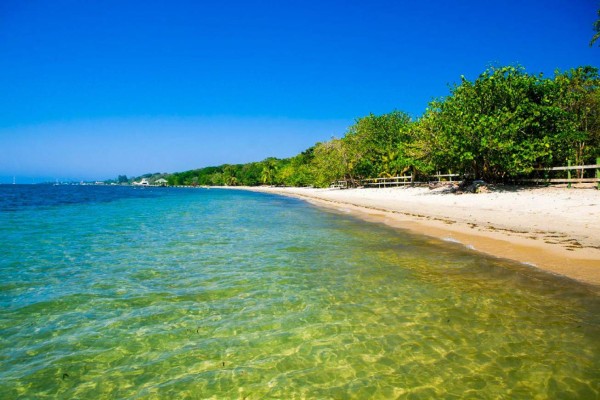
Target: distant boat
point(144, 182)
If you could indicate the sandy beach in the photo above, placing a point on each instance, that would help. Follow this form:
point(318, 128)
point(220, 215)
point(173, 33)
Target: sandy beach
point(553, 229)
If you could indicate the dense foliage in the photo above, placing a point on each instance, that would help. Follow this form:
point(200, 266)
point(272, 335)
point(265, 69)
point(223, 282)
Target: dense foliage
point(597, 30)
point(501, 126)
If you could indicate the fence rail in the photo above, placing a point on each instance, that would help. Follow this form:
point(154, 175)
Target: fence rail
point(391, 181)
point(571, 167)
point(407, 180)
point(410, 179)
point(339, 185)
point(560, 180)
point(569, 180)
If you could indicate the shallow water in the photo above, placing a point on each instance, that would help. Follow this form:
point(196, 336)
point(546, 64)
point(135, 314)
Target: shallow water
point(110, 292)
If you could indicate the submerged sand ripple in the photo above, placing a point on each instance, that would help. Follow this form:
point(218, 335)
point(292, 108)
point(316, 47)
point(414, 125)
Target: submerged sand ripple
point(554, 229)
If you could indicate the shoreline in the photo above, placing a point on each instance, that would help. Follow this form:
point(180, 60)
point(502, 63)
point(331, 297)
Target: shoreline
point(555, 230)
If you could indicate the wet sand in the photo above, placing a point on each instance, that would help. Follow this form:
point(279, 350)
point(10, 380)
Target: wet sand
point(553, 229)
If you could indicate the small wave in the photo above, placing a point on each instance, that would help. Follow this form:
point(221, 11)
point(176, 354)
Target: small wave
point(451, 240)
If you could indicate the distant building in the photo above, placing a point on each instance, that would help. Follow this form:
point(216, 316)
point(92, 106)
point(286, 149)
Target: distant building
point(161, 182)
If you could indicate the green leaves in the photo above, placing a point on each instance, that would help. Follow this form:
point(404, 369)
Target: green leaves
point(503, 124)
point(508, 122)
point(377, 145)
point(596, 27)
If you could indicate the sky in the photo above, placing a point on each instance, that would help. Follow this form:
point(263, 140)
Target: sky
point(94, 89)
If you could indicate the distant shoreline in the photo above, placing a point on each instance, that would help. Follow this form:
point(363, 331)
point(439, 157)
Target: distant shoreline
point(553, 229)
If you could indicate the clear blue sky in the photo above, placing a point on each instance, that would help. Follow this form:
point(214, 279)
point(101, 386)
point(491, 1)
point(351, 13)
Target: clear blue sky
point(93, 89)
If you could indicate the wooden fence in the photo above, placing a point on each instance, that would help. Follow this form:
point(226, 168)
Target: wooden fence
point(447, 176)
point(393, 181)
point(339, 185)
point(386, 182)
point(569, 180)
point(410, 179)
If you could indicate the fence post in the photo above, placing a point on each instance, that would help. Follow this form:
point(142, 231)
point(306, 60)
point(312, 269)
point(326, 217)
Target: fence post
point(598, 172)
point(569, 174)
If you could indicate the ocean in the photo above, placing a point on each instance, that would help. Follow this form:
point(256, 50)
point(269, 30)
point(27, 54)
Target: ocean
point(161, 293)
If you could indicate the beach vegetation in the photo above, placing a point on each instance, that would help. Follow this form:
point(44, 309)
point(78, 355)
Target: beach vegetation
point(503, 125)
point(377, 145)
point(330, 162)
point(500, 125)
point(597, 30)
point(578, 97)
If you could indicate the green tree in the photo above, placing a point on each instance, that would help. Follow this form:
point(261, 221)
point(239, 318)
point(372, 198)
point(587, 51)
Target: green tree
point(376, 145)
point(578, 96)
point(269, 170)
point(330, 162)
point(250, 174)
point(597, 30)
point(297, 171)
point(498, 126)
point(502, 125)
point(424, 148)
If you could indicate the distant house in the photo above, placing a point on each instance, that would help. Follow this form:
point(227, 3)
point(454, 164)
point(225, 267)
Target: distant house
point(161, 182)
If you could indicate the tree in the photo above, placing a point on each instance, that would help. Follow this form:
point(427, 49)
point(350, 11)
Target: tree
point(250, 174)
point(504, 124)
point(578, 96)
point(269, 169)
point(330, 162)
point(376, 145)
point(297, 171)
point(122, 179)
point(425, 149)
point(597, 30)
point(229, 176)
point(498, 126)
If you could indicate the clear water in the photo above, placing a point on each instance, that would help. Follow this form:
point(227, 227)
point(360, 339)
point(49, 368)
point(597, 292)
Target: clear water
point(109, 292)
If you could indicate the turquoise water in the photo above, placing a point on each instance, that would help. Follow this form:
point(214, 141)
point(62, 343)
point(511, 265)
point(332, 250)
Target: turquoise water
point(155, 293)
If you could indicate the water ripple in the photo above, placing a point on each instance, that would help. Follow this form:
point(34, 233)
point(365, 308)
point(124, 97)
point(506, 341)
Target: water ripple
point(218, 294)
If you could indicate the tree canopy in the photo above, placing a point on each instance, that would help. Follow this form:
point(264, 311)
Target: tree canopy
point(502, 125)
point(597, 30)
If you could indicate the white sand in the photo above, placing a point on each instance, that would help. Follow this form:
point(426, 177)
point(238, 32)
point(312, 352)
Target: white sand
point(554, 229)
